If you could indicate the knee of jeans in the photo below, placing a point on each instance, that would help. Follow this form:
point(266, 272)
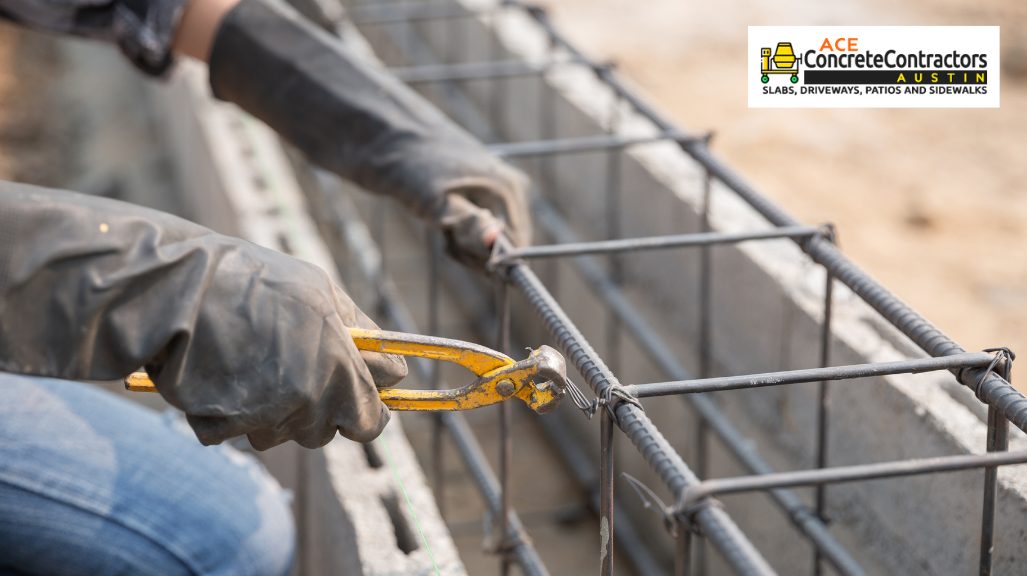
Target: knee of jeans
point(272, 549)
point(266, 546)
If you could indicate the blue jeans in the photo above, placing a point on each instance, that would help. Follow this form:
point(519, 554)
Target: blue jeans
point(94, 484)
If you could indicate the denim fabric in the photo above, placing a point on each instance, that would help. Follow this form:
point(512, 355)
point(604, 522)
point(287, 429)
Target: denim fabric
point(94, 484)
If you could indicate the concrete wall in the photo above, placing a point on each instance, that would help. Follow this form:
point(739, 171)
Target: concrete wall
point(351, 500)
point(766, 309)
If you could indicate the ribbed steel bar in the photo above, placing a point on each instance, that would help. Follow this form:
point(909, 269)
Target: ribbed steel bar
point(997, 441)
point(581, 144)
point(606, 494)
point(666, 360)
point(823, 410)
point(839, 474)
point(990, 388)
point(722, 532)
point(507, 537)
point(786, 377)
point(705, 344)
point(654, 243)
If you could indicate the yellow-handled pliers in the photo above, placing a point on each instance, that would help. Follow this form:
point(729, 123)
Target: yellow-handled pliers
point(540, 380)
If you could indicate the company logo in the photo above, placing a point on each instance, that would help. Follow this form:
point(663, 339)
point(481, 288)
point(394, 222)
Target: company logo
point(782, 62)
point(874, 66)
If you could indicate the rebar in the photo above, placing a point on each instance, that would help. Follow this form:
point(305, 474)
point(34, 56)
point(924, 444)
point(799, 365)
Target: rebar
point(783, 378)
point(617, 404)
point(993, 390)
point(653, 243)
point(738, 552)
point(692, 494)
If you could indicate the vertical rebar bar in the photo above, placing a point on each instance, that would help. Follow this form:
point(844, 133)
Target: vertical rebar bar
point(497, 92)
point(378, 231)
point(705, 294)
point(606, 477)
point(683, 552)
point(505, 438)
point(823, 405)
point(547, 130)
point(438, 468)
point(997, 441)
point(613, 230)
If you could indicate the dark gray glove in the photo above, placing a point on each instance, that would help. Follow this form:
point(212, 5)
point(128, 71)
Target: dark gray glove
point(143, 29)
point(355, 119)
point(245, 340)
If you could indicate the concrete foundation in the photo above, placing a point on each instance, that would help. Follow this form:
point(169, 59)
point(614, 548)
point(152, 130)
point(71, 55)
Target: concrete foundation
point(766, 309)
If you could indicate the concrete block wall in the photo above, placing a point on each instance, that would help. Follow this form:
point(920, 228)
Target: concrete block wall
point(766, 308)
point(361, 509)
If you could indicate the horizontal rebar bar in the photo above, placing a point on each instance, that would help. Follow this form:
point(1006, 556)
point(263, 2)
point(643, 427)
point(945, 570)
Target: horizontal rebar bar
point(839, 474)
point(476, 70)
point(654, 243)
point(718, 527)
point(581, 144)
point(989, 387)
point(373, 14)
point(785, 377)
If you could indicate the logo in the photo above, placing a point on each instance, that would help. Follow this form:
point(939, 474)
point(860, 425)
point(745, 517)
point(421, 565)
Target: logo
point(782, 62)
point(874, 67)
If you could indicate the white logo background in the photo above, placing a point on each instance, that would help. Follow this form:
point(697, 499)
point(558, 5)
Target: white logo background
point(877, 39)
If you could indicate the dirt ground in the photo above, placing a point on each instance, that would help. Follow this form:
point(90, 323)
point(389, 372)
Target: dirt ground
point(933, 203)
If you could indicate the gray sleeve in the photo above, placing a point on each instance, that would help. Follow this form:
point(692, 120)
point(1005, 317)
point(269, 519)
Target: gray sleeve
point(142, 29)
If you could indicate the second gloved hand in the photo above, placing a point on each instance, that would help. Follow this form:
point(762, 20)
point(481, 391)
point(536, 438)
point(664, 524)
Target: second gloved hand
point(355, 119)
point(243, 339)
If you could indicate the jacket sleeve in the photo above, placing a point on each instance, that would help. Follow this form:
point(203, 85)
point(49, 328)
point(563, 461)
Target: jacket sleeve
point(354, 118)
point(142, 29)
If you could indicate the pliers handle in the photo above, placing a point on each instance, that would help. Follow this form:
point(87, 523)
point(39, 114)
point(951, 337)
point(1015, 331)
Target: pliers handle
point(540, 380)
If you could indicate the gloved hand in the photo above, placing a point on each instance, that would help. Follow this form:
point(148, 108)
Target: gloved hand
point(144, 30)
point(353, 118)
point(243, 339)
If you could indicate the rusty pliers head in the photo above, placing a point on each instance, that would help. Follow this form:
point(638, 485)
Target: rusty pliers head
point(540, 380)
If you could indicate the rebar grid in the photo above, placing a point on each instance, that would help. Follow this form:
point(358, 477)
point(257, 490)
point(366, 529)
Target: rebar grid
point(696, 510)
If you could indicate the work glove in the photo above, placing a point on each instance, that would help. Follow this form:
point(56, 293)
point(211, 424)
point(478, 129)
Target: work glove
point(243, 339)
point(350, 116)
point(143, 29)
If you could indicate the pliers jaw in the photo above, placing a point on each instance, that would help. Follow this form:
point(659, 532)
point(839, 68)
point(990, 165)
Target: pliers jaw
point(540, 380)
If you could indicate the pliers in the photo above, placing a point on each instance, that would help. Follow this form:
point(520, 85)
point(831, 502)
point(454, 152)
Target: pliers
point(540, 380)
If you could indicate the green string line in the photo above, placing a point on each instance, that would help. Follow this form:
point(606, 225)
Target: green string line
point(406, 497)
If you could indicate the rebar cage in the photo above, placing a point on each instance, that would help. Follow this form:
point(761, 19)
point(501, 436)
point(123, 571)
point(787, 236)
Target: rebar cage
point(695, 518)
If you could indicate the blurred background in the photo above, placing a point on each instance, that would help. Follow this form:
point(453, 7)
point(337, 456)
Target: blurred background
point(933, 203)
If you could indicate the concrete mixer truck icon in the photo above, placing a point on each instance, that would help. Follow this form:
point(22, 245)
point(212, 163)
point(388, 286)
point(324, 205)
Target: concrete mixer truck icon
point(782, 62)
